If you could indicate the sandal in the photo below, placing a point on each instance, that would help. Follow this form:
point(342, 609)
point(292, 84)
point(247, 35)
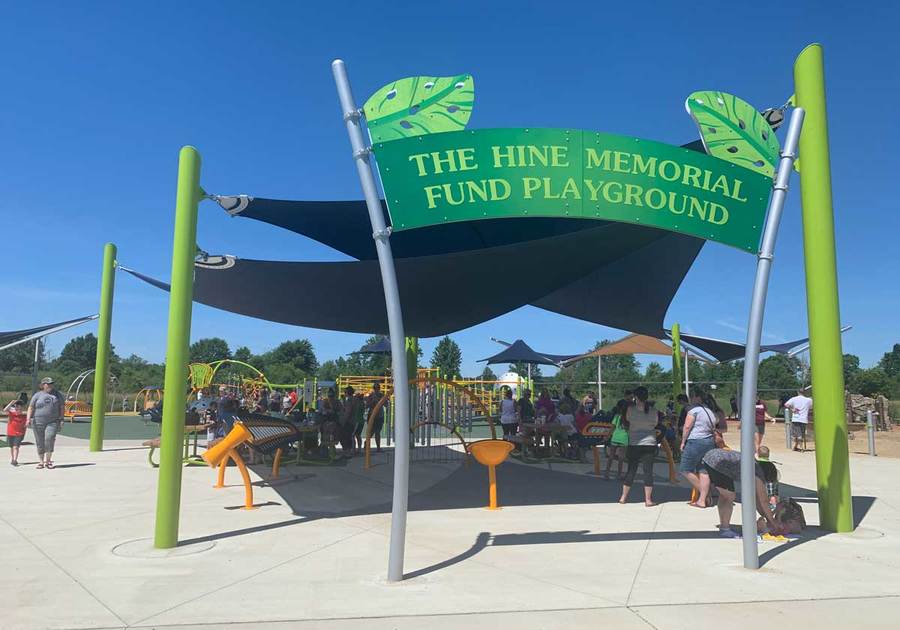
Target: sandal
point(39, 466)
point(49, 465)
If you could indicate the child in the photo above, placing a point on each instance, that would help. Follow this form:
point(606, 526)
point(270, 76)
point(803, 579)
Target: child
point(771, 474)
point(15, 429)
point(619, 439)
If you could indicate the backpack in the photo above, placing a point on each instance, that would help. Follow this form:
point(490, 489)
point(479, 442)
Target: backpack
point(788, 510)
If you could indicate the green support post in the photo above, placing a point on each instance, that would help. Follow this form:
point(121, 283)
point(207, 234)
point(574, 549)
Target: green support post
point(101, 367)
point(676, 361)
point(412, 370)
point(832, 457)
point(168, 498)
point(412, 357)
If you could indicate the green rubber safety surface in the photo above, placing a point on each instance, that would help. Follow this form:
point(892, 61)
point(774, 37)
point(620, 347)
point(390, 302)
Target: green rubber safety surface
point(114, 428)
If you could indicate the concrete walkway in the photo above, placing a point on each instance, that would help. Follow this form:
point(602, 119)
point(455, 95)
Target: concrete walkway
point(561, 554)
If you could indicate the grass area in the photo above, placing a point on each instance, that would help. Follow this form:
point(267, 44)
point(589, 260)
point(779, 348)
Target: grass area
point(115, 428)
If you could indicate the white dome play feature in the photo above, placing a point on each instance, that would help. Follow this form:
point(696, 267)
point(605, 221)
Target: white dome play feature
point(511, 380)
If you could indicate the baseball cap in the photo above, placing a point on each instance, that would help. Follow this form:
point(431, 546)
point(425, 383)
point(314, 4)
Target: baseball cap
point(47, 381)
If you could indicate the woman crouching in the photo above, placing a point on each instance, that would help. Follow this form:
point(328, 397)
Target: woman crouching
point(722, 468)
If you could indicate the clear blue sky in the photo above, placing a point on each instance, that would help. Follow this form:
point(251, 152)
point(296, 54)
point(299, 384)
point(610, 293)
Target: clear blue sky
point(99, 96)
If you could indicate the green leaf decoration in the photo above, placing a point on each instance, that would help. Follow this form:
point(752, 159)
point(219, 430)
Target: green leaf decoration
point(732, 129)
point(416, 106)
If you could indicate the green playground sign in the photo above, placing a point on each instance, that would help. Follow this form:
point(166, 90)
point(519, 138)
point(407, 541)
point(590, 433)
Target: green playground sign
point(498, 173)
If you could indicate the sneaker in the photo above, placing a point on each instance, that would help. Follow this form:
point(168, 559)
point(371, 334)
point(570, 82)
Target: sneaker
point(728, 533)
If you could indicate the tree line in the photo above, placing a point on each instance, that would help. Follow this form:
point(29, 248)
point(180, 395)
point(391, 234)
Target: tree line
point(292, 361)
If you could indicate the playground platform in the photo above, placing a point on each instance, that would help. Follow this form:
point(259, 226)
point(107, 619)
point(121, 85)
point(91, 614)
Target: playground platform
point(560, 554)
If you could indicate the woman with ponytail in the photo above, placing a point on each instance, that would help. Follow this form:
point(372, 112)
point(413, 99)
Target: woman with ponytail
point(641, 419)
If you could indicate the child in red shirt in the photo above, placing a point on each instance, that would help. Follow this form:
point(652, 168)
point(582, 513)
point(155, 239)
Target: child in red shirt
point(15, 429)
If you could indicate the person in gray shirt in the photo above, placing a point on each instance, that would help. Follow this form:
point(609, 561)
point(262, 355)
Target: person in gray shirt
point(45, 415)
point(722, 468)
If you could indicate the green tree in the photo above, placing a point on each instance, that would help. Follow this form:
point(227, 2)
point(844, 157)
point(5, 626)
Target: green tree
point(209, 350)
point(243, 354)
point(779, 372)
point(487, 374)
point(890, 362)
point(870, 382)
point(298, 355)
point(136, 373)
point(329, 371)
point(20, 358)
point(447, 357)
point(851, 368)
point(80, 354)
point(658, 382)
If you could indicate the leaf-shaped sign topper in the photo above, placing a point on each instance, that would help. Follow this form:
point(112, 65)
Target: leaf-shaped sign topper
point(732, 129)
point(418, 105)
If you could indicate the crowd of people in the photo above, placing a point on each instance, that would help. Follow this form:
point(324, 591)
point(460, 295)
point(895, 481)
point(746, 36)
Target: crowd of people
point(340, 421)
point(692, 427)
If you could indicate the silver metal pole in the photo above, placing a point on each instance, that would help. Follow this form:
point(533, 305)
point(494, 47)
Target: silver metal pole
point(381, 233)
point(35, 366)
point(787, 428)
point(599, 384)
point(687, 382)
point(754, 333)
point(870, 429)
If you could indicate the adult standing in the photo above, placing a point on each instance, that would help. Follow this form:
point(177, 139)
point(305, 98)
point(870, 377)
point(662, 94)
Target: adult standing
point(762, 416)
point(347, 421)
point(508, 414)
point(697, 439)
point(45, 416)
point(641, 419)
point(800, 406)
point(372, 401)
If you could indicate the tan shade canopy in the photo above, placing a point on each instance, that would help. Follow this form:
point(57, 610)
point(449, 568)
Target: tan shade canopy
point(631, 344)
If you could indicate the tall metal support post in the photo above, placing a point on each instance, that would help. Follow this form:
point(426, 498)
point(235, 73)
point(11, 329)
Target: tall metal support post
point(36, 364)
point(381, 234)
point(754, 334)
point(823, 312)
point(181, 294)
point(599, 382)
point(104, 327)
point(687, 379)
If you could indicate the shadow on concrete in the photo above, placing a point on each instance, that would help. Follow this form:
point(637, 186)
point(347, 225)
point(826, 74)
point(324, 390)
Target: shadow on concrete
point(245, 531)
point(485, 539)
point(334, 492)
point(74, 465)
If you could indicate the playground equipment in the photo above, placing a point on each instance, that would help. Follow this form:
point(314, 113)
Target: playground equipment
point(203, 378)
point(741, 209)
point(74, 407)
point(146, 399)
point(433, 401)
point(191, 444)
point(491, 453)
point(261, 433)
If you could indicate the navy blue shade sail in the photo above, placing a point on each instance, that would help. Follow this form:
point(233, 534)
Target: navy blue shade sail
point(520, 352)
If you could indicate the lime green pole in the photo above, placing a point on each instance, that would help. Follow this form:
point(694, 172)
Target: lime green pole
point(101, 367)
point(168, 498)
point(676, 361)
point(832, 457)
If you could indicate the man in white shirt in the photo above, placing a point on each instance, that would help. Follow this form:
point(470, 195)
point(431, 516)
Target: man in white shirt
point(800, 407)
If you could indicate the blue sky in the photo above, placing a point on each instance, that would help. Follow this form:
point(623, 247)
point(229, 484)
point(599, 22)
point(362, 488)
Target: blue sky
point(99, 96)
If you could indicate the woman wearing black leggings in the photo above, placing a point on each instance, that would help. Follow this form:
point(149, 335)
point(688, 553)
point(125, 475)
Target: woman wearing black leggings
point(641, 419)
